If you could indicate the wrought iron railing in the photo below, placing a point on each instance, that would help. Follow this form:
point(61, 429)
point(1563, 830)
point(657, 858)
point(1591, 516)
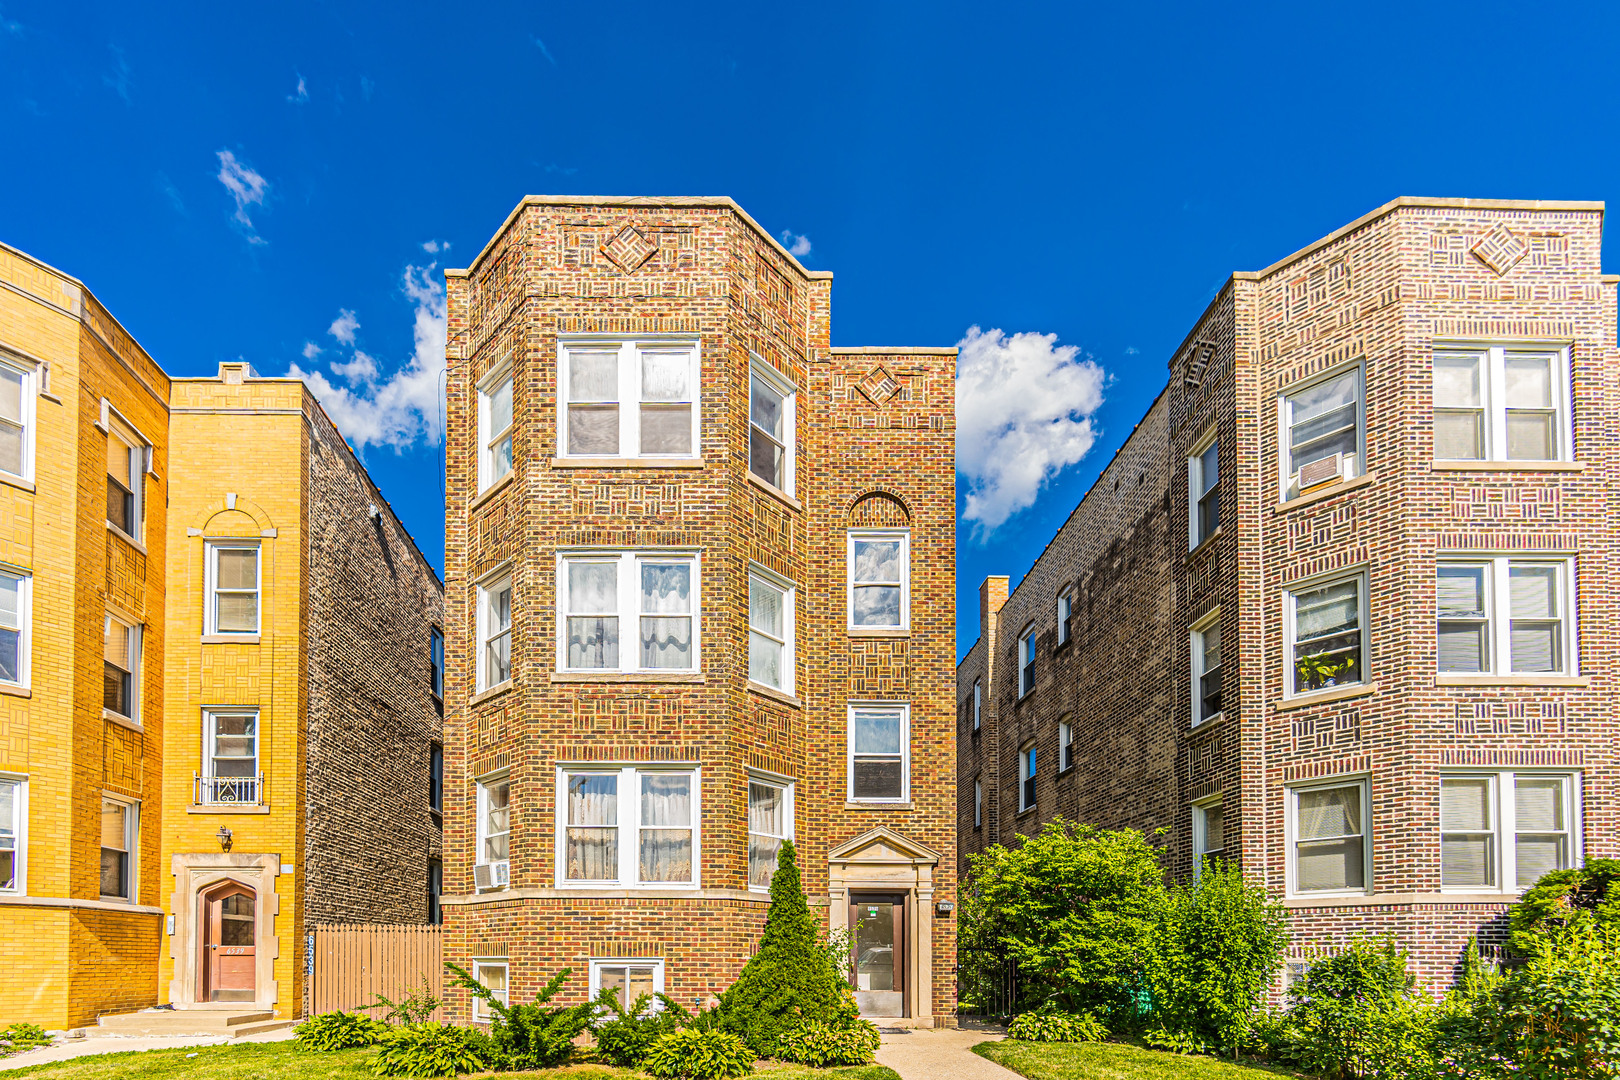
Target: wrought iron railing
point(229, 790)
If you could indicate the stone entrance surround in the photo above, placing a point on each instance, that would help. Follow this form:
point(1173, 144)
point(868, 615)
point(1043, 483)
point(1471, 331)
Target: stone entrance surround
point(193, 873)
point(882, 860)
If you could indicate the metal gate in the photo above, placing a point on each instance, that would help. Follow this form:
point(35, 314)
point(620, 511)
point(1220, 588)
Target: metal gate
point(986, 985)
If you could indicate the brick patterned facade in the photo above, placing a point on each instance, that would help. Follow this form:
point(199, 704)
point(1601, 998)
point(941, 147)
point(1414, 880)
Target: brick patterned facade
point(1377, 295)
point(874, 443)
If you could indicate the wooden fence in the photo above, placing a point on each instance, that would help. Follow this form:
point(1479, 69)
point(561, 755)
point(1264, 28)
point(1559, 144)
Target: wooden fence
point(347, 966)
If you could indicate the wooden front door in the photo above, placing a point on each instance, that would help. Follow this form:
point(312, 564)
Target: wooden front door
point(229, 936)
point(879, 960)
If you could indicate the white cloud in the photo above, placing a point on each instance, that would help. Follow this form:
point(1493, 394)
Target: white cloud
point(1023, 414)
point(545, 52)
point(358, 371)
point(301, 95)
point(118, 80)
point(344, 326)
point(402, 409)
point(311, 350)
point(1131, 350)
point(433, 247)
point(247, 188)
point(798, 246)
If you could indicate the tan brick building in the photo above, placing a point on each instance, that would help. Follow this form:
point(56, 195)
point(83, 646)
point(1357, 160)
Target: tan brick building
point(1341, 608)
point(700, 575)
point(218, 695)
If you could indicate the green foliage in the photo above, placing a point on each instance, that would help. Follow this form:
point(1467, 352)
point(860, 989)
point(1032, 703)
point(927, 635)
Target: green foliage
point(1559, 1014)
point(700, 1055)
point(1053, 1025)
point(624, 1036)
point(790, 979)
point(1221, 942)
point(821, 1045)
point(1075, 907)
point(532, 1036)
point(19, 1037)
point(1563, 899)
point(416, 1007)
point(839, 945)
point(1176, 1040)
point(430, 1050)
point(338, 1031)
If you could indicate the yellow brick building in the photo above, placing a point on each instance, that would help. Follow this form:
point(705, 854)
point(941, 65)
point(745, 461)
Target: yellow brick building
point(218, 695)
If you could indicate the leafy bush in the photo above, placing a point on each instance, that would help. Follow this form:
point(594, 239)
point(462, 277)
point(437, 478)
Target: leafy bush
point(700, 1055)
point(338, 1031)
point(1559, 1014)
point(820, 1045)
point(430, 1050)
point(790, 979)
point(416, 1007)
point(531, 1036)
point(1075, 908)
point(1176, 1040)
point(1051, 1025)
point(19, 1037)
point(1356, 1018)
point(1220, 944)
point(623, 1036)
point(1564, 898)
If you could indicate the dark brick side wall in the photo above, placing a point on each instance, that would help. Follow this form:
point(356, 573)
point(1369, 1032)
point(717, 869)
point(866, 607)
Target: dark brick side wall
point(371, 602)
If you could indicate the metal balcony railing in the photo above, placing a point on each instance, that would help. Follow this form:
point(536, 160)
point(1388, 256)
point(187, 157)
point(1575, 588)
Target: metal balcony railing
point(229, 790)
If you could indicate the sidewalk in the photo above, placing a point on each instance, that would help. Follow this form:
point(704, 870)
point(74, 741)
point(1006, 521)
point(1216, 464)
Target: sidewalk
point(940, 1054)
point(72, 1048)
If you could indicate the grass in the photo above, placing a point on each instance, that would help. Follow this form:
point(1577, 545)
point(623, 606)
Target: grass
point(285, 1061)
point(1115, 1061)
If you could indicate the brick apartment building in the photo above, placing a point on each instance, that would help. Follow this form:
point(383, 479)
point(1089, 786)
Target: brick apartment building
point(700, 570)
point(1342, 607)
point(218, 692)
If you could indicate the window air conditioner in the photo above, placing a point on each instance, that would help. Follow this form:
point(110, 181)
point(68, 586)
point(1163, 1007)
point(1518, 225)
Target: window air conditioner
point(496, 875)
point(1321, 471)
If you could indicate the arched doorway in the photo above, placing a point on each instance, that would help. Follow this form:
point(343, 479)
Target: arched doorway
point(227, 915)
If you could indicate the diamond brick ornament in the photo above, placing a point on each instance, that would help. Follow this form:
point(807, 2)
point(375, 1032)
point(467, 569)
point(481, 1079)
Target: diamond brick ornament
point(1500, 250)
point(629, 248)
point(879, 386)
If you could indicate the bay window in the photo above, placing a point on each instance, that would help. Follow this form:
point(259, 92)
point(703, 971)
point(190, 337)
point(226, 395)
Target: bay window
point(120, 830)
point(1327, 642)
point(628, 399)
point(1497, 403)
point(770, 822)
point(630, 826)
point(1329, 850)
point(1501, 830)
point(14, 590)
point(494, 426)
point(126, 469)
point(121, 657)
point(1323, 432)
point(17, 384)
point(492, 855)
point(1505, 615)
point(770, 630)
point(771, 400)
point(605, 595)
point(494, 660)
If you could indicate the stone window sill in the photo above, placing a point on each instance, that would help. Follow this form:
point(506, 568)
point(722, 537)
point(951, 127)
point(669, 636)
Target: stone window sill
point(493, 692)
point(122, 721)
point(490, 492)
point(1322, 697)
point(17, 482)
point(1210, 722)
point(626, 463)
point(216, 808)
point(230, 639)
point(879, 632)
point(13, 690)
point(774, 492)
point(126, 538)
point(1573, 681)
point(1508, 466)
point(901, 806)
point(1318, 494)
point(627, 677)
point(774, 694)
point(1205, 544)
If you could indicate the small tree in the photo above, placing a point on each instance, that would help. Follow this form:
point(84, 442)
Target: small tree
point(532, 1036)
point(1558, 1016)
point(1563, 899)
point(790, 979)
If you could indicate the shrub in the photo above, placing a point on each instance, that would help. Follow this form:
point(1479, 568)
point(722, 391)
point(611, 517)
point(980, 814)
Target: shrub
point(1176, 1040)
point(430, 1050)
point(415, 1007)
point(1563, 898)
point(338, 1031)
point(790, 979)
point(1051, 1025)
point(699, 1055)
point(1356, 1018)
point(1075, 908)
point(19, 1037)
point(1559, 1014)
point(532, 1036)
point(623, 1036)
point(819, 1045)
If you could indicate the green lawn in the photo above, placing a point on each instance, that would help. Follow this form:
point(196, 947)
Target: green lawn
point(1114, 1061)
point(285, 1061)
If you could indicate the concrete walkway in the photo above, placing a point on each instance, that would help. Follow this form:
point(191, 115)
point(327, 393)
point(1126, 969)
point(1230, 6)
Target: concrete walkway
point(940, 1054)
point(72, 1048)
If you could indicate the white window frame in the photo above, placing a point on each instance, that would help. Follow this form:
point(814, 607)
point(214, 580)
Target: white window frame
point(481, 834)
point(1290, 603)
point(880, 535)
point(132, 837)
point(978, 703)
point(480, 1013)
point(1498, 611)
point(1493, 398)
point(786, 787)
point(25, 590)
point(1027, 642)
point(1065, 608)
point(19, 825)
point(136, 643)
point(628, 825)
point(1504, 816)
point(1065, 743)
point(1209, 624)
point(629, 609)
point(1200, 832)
point(1028, 770)
point(978, 803)
point(210, 733)
point(629, 390)
point(139, 452)
point(790, 598)
point(759, 370)
point(1197, 489)
point(487, 439)
point(211, 591)
point(1288, 481)
point(28, 393)
point(904, 708)
point(1292, 835)
point(597, 963)
point(487, 590)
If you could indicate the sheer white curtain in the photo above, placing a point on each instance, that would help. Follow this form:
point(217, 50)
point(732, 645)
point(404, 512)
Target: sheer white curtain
point(666, 827)
point(593, 833)
point(666, 615)
point(765, 829)
point(593, 605)
point(1330, 852)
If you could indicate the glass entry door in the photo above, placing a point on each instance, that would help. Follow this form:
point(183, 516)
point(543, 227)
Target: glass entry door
point(229, 964)
point(878, 920)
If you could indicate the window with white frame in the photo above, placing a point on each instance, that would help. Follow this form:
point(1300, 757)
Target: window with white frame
point(230, 757)
point(978, 703)
point(771, 400)
point(494, 427)
point(1026, 662)
point(126, 468)
point(1323, 432)
point(1206, 669)
point(120, 830)
point(632, 826)
point(628, 399)
point(16, 420)
point(1203, 494)
point(770, 630)
point(436, 661)
point(1065, 608)
point(770, 821)
point(879, 579)
point(978, 803)
point(631, 979)
point(879, 753)
point(1501, 404)
point(233, 589)
point(1327, 640)
point(13, 826)
point(1209, 834)
point(1505, 615)
point(494, 633)
point(1523, 822)
point(492, 974)
point(1065, 746)
point(492, 860)
point(1329, 838)
point(652, 595)
point(1026, 777)
point(120, 667)
point(14, 596)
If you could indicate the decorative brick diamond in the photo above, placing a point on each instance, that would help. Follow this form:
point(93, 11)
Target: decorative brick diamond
point(1500, 250)
point(879, 386)
point(629, 248)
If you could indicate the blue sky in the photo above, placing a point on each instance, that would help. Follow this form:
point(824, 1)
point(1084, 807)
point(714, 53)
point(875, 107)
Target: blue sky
point(271, 182)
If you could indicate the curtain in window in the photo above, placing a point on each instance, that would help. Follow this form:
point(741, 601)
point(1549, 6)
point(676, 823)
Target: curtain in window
point(666, 402)
point(1467, 844)
point(666, 620)
point(666, 827)
point(8, 835)
point(10, 628)
point(593, 604)
point(593, 835)
point(1534, 634)
point(631, 983)
point(11, 421)
point(1540, 841)
point(766, 632)
point(1323, 420)
point(1329, 852)
point(765, 829)
point(593, 403)
point(1531, 432)
point(1459, 413)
